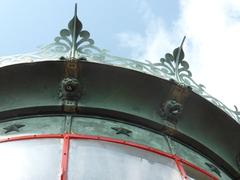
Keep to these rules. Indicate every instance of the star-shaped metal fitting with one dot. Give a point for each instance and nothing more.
(13, 127)
(120, 130)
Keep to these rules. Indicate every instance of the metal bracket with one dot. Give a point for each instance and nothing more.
(171, 111)
(68, 124)
(70, 93)
(170, 144)
(70, 89)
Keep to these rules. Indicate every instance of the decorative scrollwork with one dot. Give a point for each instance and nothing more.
(178, 70)
(74, 42)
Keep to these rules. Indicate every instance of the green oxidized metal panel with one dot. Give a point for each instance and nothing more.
(198, 159)
(119, 130)
(34, 125)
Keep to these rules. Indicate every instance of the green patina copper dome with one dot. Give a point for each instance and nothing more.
(71, 92)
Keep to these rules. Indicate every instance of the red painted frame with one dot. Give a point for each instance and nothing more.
(66, 143)
(65, 155)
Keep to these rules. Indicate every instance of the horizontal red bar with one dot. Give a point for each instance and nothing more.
(26, 137)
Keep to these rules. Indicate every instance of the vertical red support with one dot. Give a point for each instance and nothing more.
(65, 154)
(180, 168)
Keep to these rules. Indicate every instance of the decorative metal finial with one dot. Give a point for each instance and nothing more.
(180, 49)
(178, 55)
(74, 35)
(75, 43)
(72, 41)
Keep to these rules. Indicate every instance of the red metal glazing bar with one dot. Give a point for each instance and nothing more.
(65, 151)
(26, 137)
(65, 155)
(198, 169)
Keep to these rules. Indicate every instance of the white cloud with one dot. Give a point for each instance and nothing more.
(155, 42)
(213, 27)
(212, 48)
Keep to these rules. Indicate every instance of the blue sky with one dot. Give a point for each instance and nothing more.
(27, 24)
(139, 29)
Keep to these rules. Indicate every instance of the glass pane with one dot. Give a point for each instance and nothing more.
(30, 159)
(194, 174)
(95, 160)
